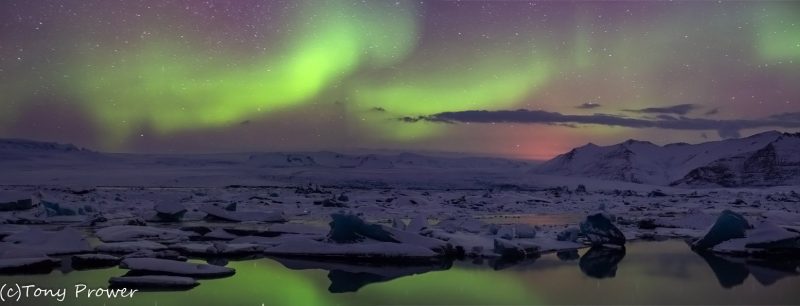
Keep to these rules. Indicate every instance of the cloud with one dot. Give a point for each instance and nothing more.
(680, 109)
(787, 116)
(588, 105)
(725, 128)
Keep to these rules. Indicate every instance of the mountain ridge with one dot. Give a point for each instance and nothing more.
(741, 162)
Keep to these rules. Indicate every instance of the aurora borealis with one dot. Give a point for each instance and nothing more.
(209, 76)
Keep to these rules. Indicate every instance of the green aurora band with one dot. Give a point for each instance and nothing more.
(168, 88)
(382, 61)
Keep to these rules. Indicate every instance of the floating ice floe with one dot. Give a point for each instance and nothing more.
(568, 234)
(66, 241)
(242, 216)
(27, 265)
(765, 238)
(219, 234)
(418, 223)
(729, 225)
(465, 224)
(600, 231)
(172, 267)
(126, 247)
(133, 233)
(90, 261)
(514, 231)
(169, 211)
(14, 201)
(153, 282)
(510, 250)
(160, 254)
(218, 248)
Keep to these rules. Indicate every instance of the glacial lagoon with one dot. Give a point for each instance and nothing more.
(646, 272)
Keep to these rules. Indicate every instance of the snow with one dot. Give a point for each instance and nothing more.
(172, 267)
(767, 235)
(418, 223)
(153, 282)
(644, 162)
(764, 237)
(454, 206)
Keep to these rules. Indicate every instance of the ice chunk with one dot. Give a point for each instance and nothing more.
(219, 234)
(348, 228)
(599, 230)
(466, 243)
(466, 224)
(173, 267)
(219, 248)
(694, 219)
(65, 241)
(513, 231)
(27, 265)
(568, 234)
(297, 228)
(770, 236)
(729, 225)
(398, 224)
(242, 216)
(511, 251)
(153, 282)
(169, 211)
(11, 201)
(162, 254)
(129, 246)
(132, 233)
(88, 261)
(417, 224)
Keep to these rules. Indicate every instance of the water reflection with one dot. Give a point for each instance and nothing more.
(568, 255)
(601, 262)
(732, 271)
(350, 277)
(664, 272)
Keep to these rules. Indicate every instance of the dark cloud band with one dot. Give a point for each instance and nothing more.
(725, 128)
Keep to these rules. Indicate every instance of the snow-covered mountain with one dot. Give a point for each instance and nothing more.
(327, 159)
(26, 162)
(765, 159)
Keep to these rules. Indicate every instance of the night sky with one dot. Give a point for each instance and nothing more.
(508, 78)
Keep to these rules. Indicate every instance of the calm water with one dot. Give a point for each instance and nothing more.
(664, 272)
